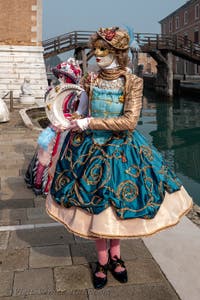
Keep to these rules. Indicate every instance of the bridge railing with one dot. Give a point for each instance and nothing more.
(67, 41)
(149, 42)
(174, 43)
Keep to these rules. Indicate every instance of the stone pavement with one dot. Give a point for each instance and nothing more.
(39, 259)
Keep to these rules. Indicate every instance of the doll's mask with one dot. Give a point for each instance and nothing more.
(104, 57)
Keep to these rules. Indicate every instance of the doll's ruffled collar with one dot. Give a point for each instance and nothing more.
(112, 74)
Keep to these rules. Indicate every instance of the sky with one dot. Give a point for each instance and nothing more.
(63, 16)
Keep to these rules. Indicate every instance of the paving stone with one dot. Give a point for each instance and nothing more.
(73, 295)
(72, 278)
(26, 147)
(14, 260)
(4, 236)
(79, 239)
(22, 171)
(83, 253)
(16, 203)
(6, 281)
(12, 154)
(7, 164)
(132, 249)
(37, 213)
(33, 281)
(137, 292)
(143, 270)
(39, 201)
(40, 237)
(70, 295)
(15, 188)
(50, 256)
(12, 216)
(46, 220)
(7, 222)
(10, 172)
(140, 271)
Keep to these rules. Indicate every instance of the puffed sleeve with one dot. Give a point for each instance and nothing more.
(132, 108)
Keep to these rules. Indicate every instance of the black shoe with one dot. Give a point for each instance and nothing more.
(113, 264)
(99, 282)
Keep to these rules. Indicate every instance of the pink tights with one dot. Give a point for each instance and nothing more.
(102, 251)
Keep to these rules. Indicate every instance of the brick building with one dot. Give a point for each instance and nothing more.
(21, 52)
(148, 63)
(185, 22)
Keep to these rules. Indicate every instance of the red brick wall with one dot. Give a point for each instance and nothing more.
(148, 63)
(188, 28)
(184, 29)
(16, 21)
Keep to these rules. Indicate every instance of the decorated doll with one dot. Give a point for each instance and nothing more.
(39, 173)
(110, 184)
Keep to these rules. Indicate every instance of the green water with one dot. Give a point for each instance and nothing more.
(174, 129)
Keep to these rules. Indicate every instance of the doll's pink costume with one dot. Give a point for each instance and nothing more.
(40, 170)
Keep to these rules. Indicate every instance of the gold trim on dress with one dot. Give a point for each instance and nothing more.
(108, 225)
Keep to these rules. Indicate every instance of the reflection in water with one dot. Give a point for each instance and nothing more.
(174, 128)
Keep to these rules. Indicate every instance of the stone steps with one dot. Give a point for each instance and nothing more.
(18, 204)
(25, 215)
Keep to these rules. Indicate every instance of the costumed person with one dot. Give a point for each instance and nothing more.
(110, 183)
(74, 105)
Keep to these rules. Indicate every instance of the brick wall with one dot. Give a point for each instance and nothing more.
(185, 22)
(19, 22)
(149, 64)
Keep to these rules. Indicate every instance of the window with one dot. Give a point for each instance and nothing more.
(177, 22)
(164, 28)
(185, 38)
(196, 36)
(196, 11)
(185, 17)
(170, 26)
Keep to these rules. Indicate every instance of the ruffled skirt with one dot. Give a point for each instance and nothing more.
(120, 189)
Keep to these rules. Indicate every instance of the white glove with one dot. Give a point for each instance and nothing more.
(80, 124)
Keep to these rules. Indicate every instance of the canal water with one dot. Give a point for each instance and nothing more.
(173, 127)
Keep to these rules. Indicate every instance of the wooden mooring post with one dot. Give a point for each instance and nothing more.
(11, 101)
(164, 80)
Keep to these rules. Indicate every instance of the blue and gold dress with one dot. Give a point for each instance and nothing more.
(109, 181)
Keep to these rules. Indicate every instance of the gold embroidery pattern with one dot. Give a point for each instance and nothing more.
(61, 181)
(77, 139)
(127, 191)
(91, 174)
(133, 171)
(147, 152)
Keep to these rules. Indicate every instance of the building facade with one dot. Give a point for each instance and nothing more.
(184, 22)
(21, 51)
(148, 63)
